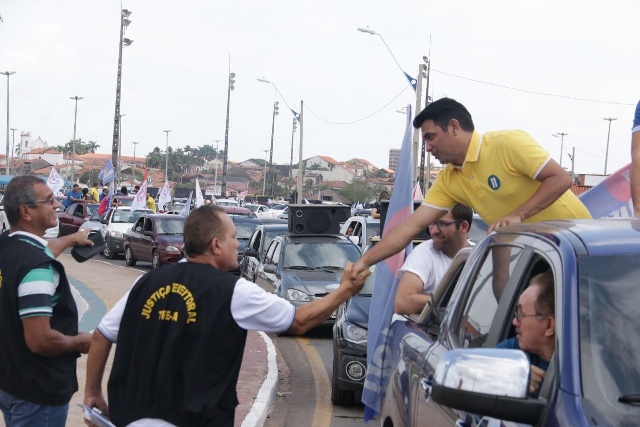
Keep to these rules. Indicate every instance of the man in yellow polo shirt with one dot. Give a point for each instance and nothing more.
(505, 176)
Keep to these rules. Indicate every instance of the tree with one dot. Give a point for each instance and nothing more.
(359, 190)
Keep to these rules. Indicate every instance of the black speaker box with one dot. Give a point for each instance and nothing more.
(317, 219)
(384, 206)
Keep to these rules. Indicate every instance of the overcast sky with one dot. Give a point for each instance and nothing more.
(175, 73)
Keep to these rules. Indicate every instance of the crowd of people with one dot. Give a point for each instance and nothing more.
(202, 312)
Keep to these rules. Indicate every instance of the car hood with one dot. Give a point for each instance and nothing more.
(120, 226)
(93, 225)
(312, 282)
(358, 310)
(170, 239)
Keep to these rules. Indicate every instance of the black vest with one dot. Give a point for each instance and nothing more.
(24, 374)
(179, 350)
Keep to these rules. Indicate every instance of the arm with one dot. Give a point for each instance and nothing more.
(635, 173)
(374, 213)
(554, 181)
(397, 239)
(409, 296)
(57, 246)
(313, 313)
(45, 341)
(96, 362)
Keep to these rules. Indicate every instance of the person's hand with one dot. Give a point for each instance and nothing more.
(97, 401)
(359, 272)
(504, 221)
(347, 279)
(84, 342)
(81, 238)
(537, 375)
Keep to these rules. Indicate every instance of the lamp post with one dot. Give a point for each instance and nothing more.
(606, 156)
(115, 148)
(230, 87)
(293, 131)
(166, 157)
(13, 143)
(264, 178)
(215, 173)
(133, 167)
(73, 143)
(561, 135)
(7, 73)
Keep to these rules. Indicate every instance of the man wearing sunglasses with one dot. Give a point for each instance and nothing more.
(535, 323)
(38, 315)
(430, 260)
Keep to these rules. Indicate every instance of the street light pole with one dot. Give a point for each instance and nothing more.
(13, 143)
(606, 157)
(115, 147)
(73, 143)
(133, 167)
(293, 132)
(264, 178)
(271, 170)
(215, 173)
(166, 157)
(7, 73)
(561, 135)
(230, 87)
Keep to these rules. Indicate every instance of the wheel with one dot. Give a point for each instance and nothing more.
(339, 396)
(155, 259)
(128, 256)
(108, 253)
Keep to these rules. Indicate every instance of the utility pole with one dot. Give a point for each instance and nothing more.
(133, 167)
(573, 158)
(300, 168)
(230, 87)
(73, 144)
(293, 132)
(264, 178)
(7, 73)
(271, 170)
(561, 135)
(606, 157)
(215, 173)
(166, 157)
(13, 143)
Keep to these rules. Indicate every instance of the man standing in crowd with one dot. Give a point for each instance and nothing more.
(94, 194)
(105, 193)
(38, 315)
(635, 162)
(430, 260)
(74, 195)
(181, 332)
(505, 176)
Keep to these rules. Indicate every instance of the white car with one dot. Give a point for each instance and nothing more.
(227, 202)
(262, 211)
(363, 229)
(112, 225)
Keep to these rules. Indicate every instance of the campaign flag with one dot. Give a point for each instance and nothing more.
(386, 282)
(612, 197)
(412, 81)
(214, 201)
(107, 173)
(295, 114)
(165, 196)
(140, 200)
(55, 181)
(112, 191)
(242, 195)
(187, 206)
(199, 198)
(417, 192)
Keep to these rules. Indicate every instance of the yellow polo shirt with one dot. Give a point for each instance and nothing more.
(497, 176)
(95, 196)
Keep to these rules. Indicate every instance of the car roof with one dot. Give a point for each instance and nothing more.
(275, 226)
(292, 238)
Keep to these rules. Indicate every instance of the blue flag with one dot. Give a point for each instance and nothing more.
(107, 173)
(295, 114)
(386, 282)
(612, 197)
(412, 81)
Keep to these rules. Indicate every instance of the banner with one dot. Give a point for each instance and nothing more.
(55, 181)
(107, 174)
(140, 200)
(165, 197)
(386, 282)
(187, 206)
(242, 195)
(199, 198)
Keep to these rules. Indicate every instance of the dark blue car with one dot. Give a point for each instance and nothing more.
(446, 370)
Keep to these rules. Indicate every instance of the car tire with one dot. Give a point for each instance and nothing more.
(128, 256)
(108, 253)
(155, 259)
(339, 396)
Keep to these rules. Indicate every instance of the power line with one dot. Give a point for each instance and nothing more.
(531, 91)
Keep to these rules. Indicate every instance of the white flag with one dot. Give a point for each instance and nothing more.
(199, 198)
(55, 181)
(187, 206)
(214, 201)
(165, 196)
(140, 201)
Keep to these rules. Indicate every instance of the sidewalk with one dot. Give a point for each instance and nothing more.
(101, 285)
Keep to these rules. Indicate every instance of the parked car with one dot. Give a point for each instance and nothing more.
(155, 238)
(262, 211)
(112, 225)
(239, 211)
(71, 219)
(299, 267)
(227, 202)
(245, 226)
(444, 365)
(364, 228)
(258, 243)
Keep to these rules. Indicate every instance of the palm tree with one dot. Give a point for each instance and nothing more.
(92, 146)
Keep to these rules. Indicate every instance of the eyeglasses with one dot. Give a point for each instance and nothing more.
(519, 315)
(442, 225)
(51, 200)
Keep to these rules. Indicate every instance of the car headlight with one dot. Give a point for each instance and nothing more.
(354, 333)
(172, 248)
(116, 234)
(296, 295)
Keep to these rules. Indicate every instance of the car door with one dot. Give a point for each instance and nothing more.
(263, 278)
(146, 244)
(250, 263)
(135, 235)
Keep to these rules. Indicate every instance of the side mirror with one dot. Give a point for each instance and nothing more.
(148, 233)
(104, 221)
(487, 381)
(354, 239)
(270, 268)
(251, 252)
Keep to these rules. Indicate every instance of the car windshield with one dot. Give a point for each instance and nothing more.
(244, 229)
(319, 255)
(170, 225)
(123, 216)
(610, 338)
(92, 208)
(254, 208)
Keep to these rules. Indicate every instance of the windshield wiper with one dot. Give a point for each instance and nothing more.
(300, 267)
(631, 399)
(332, 267)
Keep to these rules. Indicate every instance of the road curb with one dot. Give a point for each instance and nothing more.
(262, 404)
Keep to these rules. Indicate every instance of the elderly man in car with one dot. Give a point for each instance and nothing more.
(535, 325)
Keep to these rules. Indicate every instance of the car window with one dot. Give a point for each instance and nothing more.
(133, 216)
(275, 258)
(169, 226)
(254, 243)
(481, 300)
(319, 254)
(270, 235)
(269, 254)
(373, 229)
(95, 216)
(121, 216)
(138, 226)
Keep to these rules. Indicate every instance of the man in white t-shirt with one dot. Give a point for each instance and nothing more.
(429, 261)
(181, 331)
